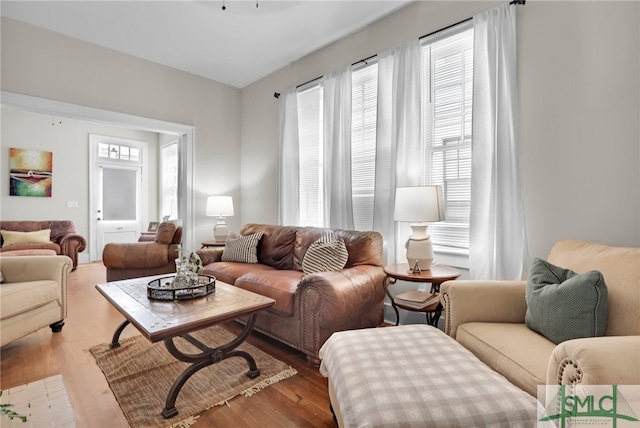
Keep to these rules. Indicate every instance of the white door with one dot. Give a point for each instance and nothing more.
(116, 182)
(117, 213)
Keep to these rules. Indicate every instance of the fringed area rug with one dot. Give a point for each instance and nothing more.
(140, 375)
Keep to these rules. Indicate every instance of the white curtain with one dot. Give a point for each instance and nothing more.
(289, 160)
(338, 204)
(498, 243)
(398, 139)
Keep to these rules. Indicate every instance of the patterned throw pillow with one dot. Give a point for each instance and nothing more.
(242, 249)
(564, 305)
(326, 254)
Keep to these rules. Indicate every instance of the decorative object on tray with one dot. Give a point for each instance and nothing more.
(167, 288)
(186, 284)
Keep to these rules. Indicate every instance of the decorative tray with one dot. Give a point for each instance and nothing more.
(167, 288)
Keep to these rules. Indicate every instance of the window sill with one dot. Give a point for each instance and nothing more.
(450, 258)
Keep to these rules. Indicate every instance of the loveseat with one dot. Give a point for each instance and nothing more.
(488, 318)
(309, 307)
(33, 294)
(62, 239)
(148, 256)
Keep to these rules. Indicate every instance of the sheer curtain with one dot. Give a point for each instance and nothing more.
(338, 204)
(397, 139)
(498, 243)
(288, 159)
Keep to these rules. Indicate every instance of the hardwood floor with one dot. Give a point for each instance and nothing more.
(300, 401)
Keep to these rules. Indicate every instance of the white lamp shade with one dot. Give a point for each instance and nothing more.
(220, 206)
(419, 204)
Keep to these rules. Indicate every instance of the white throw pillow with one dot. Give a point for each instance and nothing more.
(11, 237)
(326, 254)
(242, 249)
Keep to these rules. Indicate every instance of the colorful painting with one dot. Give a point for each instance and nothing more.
(30, 172)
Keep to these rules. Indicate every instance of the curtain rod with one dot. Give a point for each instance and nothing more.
(512, 2)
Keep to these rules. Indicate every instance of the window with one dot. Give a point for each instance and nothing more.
(118, 151)
(311, 145)
(447, 78)
(364, 105)
(169, 180)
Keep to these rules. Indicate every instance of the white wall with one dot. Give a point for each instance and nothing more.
(49, 65)
(579, 89)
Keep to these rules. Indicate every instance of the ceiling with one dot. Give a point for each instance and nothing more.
(236, 46)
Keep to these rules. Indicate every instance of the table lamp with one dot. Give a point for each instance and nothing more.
(418, 206)
(220, 207)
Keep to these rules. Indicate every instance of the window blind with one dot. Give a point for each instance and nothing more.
(363, 143)
(311, 146)
(447, 78)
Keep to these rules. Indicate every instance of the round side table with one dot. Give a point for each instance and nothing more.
(434, 276)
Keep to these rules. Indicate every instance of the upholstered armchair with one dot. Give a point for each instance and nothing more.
(33, 294)
(145, 257)
(488, 317)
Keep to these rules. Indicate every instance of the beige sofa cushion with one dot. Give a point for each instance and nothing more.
(19, 297)
(518, 353)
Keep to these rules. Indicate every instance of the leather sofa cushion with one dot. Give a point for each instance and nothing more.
(229, 271)
(140, 254)
(276, 245)
(20, 297)
(32, 246)
(59, 228)
(518, 353)
(280, 285)
(166, 231)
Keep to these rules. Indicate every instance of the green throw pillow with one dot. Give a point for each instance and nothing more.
(564, 305)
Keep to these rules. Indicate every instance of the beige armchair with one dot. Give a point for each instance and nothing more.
(33, 294)
(488, 318)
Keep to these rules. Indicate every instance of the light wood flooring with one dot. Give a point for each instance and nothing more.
(300, 401)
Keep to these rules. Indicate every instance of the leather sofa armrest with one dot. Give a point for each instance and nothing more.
(482, 301)
(607, 360)
(135, 255)
(71, 244)
(35, 268)
(210, 255)
(344, 293)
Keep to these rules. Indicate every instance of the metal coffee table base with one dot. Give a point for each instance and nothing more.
(207, 357)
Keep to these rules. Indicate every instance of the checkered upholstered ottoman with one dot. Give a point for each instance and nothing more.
(417, 376)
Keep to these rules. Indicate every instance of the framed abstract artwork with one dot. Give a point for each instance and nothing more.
(30, 172)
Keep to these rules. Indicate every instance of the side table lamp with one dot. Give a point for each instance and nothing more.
(418, 206)
(220, 207)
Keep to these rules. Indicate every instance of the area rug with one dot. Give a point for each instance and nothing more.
(44, 402)
(140, 375)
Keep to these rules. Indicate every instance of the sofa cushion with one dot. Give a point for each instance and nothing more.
(280, 285)
(243, 249)
(230, 271)
(276, 246)
(564, 305)
(513, 350)
(165, 232)
(11, 237)
(326, 254)
(21, 297)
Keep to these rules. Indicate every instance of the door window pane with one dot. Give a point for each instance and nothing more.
(119, 194)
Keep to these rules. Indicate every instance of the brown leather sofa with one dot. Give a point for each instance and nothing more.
(145, 257)
(308, 308)
(64, 239)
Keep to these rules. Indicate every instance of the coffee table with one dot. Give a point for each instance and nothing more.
(161, 320)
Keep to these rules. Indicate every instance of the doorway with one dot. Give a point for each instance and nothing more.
(117, 177)
(186, 144)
